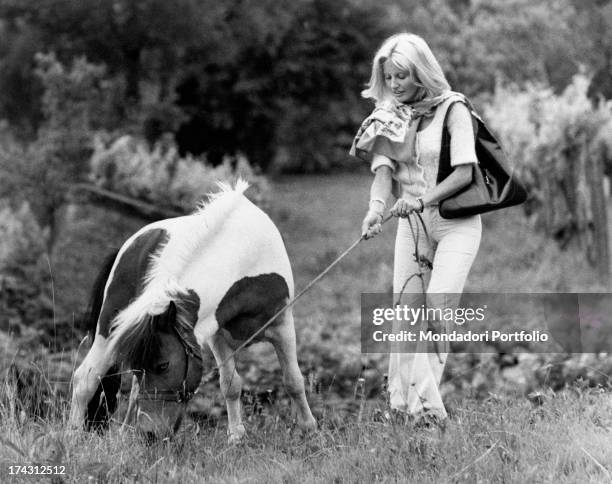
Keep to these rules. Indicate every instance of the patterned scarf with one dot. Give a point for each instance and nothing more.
(392, 127)
(421, 109)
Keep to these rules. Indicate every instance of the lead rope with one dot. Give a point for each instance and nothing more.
(418, 257)
(133, 400)
(295, 298)
(423, 264)
(421, 260)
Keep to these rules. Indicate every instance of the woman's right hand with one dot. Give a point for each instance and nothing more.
(371, 224)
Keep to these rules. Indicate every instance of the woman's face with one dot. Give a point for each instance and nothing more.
(399, 82)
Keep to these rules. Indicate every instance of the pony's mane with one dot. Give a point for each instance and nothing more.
(172, 258)
(224, 189)
(141, 345)
(161, 284)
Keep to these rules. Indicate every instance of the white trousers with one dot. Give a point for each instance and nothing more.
(414, 376)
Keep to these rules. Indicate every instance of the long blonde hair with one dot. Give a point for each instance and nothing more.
(410, 53)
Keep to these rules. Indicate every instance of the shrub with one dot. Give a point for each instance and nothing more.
(561, 148)
(25, 281)
(160, 176)
(541, 131)
(44, 171)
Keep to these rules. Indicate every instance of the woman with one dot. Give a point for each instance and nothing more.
(401, 139)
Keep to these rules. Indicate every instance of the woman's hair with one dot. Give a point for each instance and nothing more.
(411, 54)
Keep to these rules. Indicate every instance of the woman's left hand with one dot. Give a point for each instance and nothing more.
(405, 206)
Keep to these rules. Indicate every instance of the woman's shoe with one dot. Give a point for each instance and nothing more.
(429, 420)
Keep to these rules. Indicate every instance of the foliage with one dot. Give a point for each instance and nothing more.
(318, 217)
(138, 39)
(594, 22)
(527, 41)
(288, 91)
(42, 172)
(552, 139)
(282, 85)
(20, 89)
(551, 437)
(160, 176)
(321, 69)
(25, 283)
(481, 42)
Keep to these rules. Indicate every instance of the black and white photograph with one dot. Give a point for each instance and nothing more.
(317, 241)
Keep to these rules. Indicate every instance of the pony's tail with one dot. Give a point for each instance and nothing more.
(90, 321)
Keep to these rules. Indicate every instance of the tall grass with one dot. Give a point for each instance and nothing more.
(503, 437)
(567, 439)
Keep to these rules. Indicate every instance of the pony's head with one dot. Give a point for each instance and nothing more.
(165, 357)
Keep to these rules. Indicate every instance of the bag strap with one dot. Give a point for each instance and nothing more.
(489, 152)
(444, 165)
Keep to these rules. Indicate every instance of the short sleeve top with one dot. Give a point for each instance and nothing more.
(412, 155)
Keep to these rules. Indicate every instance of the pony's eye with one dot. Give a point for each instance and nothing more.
(161, 367)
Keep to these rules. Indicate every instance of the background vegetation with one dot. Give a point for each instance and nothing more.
(282, 84)
(498, 430)
(116, 113)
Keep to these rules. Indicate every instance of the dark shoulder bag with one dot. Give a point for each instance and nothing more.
(493, 184)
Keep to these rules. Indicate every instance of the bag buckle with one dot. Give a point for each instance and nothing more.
(486, 178)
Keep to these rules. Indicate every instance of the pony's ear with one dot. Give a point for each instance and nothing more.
(164, 322)
(167, 319)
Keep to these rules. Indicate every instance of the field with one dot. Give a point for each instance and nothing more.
(495, 434)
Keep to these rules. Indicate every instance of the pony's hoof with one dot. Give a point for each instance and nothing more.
(236, 435)
(309, 425)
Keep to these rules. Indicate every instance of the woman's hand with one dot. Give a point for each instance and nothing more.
(371, 224)
(405, 206)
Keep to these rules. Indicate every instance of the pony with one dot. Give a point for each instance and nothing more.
(214, 277)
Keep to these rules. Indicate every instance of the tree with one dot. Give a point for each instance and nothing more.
(43, 171)
(141, 40)
(20, 91)
(283, 84)
(479, 42)
(560, 144)
(594, 22)
(288, 85)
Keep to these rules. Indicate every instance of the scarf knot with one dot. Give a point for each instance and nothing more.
(391, 128)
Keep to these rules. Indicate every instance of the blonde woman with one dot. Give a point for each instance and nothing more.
(401, 139)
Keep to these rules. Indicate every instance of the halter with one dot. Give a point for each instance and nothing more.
(177, 396)
(181, 396)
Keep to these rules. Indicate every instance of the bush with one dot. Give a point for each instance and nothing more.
(554, 140)
(316, 139)
(160, 176)
(44, 171)
(25, 281)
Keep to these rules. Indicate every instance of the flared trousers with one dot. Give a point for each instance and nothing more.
(415, 373)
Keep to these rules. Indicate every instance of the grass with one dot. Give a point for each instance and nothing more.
(501, 437)
(566, 440)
